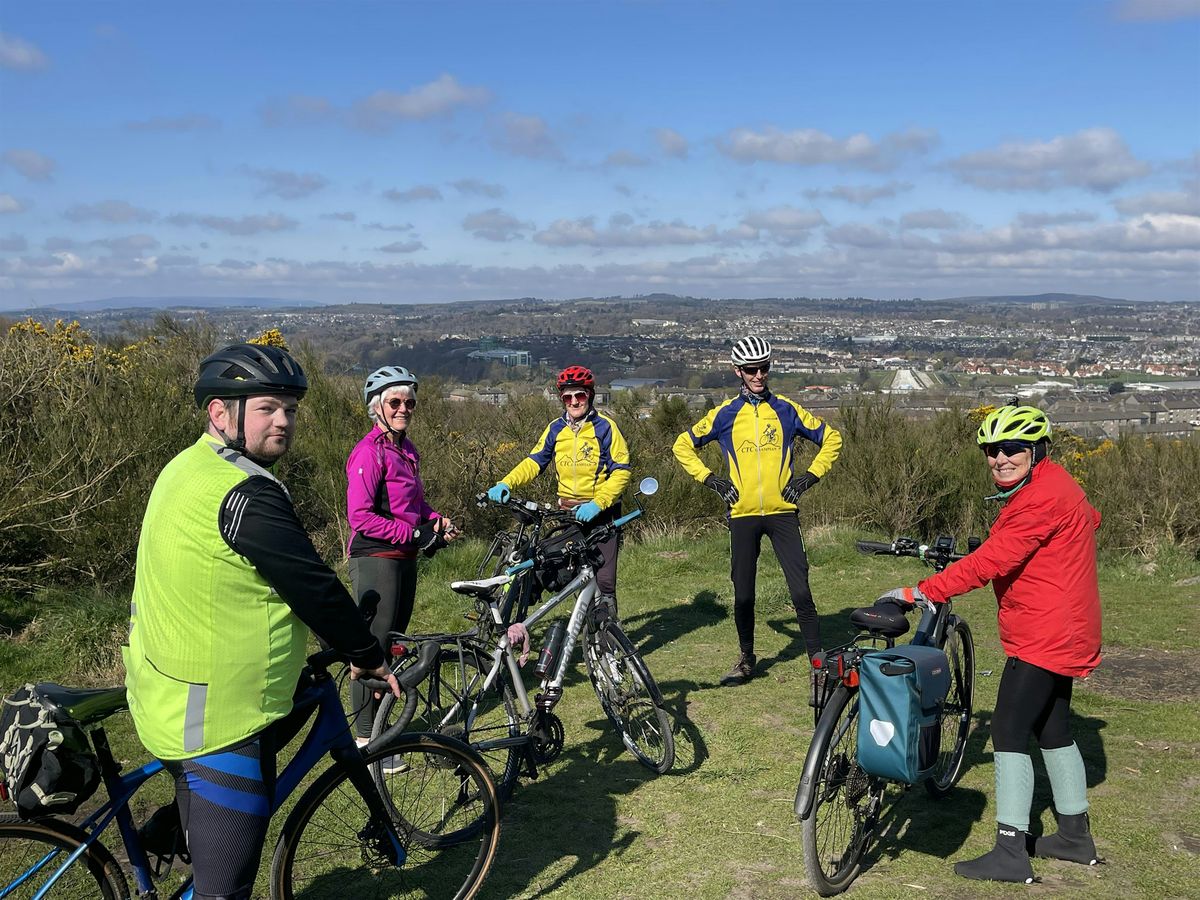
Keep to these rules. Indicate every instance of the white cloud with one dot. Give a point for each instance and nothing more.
(784, 224)
(474, 187)
(10, 204)
(286, 185)
(177, 124)
(31, 164)
(1095, 158)
(527, 136)
(583, 232)
(132, 245)
(933, 219)
(116, 211)
(1158, 10)
(1067, 217)
(496, 225)
(346, 216)
(419, 192)
(441, 97)
(1186, 201)
(860, 195)
(672, 143)
(809, 147)
(21, 55)
(402, 247)
(379, 226)
(246, 225)
(14, 243)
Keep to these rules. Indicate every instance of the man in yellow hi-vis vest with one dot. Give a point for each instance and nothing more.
(226, 589)
(756, 430)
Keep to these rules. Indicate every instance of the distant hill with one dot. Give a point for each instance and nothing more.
(1035, 298)
(182, 303)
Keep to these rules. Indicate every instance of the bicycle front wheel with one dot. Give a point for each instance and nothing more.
(451, 701)
(31, 852)
(846, 800)
(627, 693)
(955, 722)
(444, 811)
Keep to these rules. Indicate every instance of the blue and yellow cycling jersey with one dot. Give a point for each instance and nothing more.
(757, 441)
(592, 463)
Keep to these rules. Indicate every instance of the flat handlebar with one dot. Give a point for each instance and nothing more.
(939, 555)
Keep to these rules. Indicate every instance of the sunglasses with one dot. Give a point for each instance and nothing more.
(406, 402)
(1008, 448)
(754, 370)
(575, 397)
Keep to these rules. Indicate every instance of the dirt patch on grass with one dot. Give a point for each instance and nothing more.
(672, 554)
(1142, 674)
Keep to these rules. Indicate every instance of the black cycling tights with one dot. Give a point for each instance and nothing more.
(1031, 701)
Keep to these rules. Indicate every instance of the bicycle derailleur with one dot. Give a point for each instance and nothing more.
(548, 732)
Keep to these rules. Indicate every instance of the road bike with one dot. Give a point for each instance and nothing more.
(837, 802)
(477, 693)
(412, 815)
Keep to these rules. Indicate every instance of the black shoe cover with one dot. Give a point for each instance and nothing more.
(1072, 842)
(1007, 861)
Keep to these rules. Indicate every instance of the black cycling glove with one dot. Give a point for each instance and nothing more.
(798, 485)
(723, 489)
(428, 539)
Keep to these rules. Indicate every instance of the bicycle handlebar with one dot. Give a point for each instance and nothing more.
(939, 555)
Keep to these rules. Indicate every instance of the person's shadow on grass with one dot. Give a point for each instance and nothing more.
(658, 627)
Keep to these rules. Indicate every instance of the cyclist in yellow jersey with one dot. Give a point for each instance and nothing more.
(591, 460)
(756, 430)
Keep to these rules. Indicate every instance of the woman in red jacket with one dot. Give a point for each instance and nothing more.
(1041, 560)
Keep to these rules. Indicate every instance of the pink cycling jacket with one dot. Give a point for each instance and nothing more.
(385, 499)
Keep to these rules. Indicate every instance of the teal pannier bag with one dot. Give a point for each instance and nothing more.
(900, 697)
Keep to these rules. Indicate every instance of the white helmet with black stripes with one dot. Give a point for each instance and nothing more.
(751, 350)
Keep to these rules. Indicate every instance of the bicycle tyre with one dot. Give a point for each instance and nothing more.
(445, 810)
(955, 720)
(25, 845)
(846, 801)
(627, 694)
(455, 683)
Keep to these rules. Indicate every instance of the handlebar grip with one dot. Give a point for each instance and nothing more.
(874, 547)
(617, 523)
(519, 567)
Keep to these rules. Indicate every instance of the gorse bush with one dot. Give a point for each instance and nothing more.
(85, 429)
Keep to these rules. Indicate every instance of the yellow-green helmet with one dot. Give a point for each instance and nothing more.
(1013, 423)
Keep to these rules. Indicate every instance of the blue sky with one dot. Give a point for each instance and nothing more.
(408, 152)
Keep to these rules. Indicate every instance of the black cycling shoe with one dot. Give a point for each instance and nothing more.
(1007, 861)
(742, 671)
(1072, 842)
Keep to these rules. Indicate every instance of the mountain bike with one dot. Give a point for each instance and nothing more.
(477, 693)
(412, 815)
(837, 802)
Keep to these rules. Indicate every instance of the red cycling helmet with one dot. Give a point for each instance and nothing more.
(576, 376)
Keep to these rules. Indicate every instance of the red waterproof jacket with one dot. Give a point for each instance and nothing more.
(1041, 560)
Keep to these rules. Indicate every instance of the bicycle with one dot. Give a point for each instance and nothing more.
(476, 691)
(365, 827)
(837, 803)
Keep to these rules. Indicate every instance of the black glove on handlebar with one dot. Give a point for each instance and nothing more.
(798, 485)
(723, 489)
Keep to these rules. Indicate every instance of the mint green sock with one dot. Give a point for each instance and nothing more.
(1068, 780)
(1014, 789)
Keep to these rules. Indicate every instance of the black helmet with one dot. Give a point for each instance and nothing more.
(248, 370)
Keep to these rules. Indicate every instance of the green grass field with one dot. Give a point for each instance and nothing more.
(598, 825)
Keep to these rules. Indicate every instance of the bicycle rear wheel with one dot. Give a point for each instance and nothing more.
(445, 812)
(627, 694)
(846, 800)
(955, 721)
(31, 852)
(451, 701)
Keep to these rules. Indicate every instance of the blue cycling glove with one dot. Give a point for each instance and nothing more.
(587, 512)
(499, 493)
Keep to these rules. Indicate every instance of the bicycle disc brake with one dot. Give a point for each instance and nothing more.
(548, 738)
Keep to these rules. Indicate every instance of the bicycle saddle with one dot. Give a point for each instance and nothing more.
(886, 620)
(85, 705)
(480, 588)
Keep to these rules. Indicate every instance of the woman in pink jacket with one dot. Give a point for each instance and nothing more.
(1040, 558)
(390, 520)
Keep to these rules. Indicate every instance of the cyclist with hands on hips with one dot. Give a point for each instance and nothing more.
(1040, 557)
(390, 519)
(756, 431)
(226, 588)
(591, 462)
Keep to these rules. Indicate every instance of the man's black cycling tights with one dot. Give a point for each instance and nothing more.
(745, 540)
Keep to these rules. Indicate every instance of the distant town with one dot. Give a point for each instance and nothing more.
(1101, 367)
